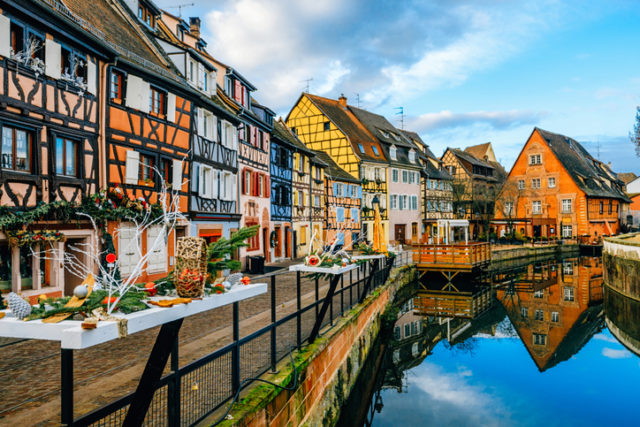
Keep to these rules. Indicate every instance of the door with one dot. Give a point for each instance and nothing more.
(287, 242)
(74, 248)
(400, 232)
(277, 249)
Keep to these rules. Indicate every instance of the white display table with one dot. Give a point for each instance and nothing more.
(72, 336)
(323, 270)
(367, 257)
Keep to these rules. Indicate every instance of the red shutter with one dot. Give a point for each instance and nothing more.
(244, 181)
(256, 181)
(267, 190)
(238, 92)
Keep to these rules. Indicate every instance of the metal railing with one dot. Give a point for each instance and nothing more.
(220, 374)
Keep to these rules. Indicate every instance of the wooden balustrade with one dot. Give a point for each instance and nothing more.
(456, 256)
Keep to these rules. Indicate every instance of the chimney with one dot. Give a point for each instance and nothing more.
(194, 23)
(609, 164)
(343, 100)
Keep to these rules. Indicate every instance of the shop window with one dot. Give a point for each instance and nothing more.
(67, 157)
(17, 149)
(5, 266)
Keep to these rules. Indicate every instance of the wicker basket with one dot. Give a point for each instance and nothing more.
(191, 266)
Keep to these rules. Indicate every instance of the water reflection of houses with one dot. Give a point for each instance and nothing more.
(555, 311)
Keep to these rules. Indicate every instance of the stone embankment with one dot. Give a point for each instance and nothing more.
(326, 370)
(621, 261)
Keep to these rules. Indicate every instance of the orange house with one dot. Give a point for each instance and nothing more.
(557, 189)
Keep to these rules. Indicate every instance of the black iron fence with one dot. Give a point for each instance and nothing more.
(188, 394)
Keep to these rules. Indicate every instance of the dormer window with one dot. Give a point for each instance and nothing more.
(412, 156)
(361, 147)
(393, 153)
(145, 15)
(375, 150)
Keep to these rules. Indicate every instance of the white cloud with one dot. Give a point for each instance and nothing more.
(616, 354)
(606, 338)
(493, 119)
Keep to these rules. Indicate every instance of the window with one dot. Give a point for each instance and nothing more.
(17, 149)
(192, 71)
(339, 190)
(246, 182)
(568, 293)
(567, 231)
(521, 184)
(566, 205)
(166, 170)
(22, 38)
(260, 185)
(403, 202)
(146, 168)
(412, 156)
(157, 101)
(394, 175)
(567, 268)
(452, 170)
(610, 206)
(405, 176)
(414, 202)
(301, 198)
(552, 183)
(361, 148)
(145, 15)
(601, 206)
(377, 173)
(16, 35)
(539, 315)
(537, 207)
(535, 159)
(393, 153)
(555, 317)
(375, 150)
(539, 339)
(326, 126)
(508, 208)
(66, 157)
(535, 183)
(316, 200)
(538, 294)
(117, 78)
(393, 201)
(524, 312)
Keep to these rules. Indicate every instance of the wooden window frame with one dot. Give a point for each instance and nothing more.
(141, 173)
(65, 140)
(117, 95)
(157, 98)
(30, 142)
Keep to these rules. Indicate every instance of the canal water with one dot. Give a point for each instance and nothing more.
(544, 344)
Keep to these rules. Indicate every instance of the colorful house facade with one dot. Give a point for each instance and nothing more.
(557, 189)
(281, 192)
(213, 201)
(331, 126)
(51, 97)
(343, 195)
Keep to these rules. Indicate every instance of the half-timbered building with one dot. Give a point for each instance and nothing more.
(343, 194)
(213, 204)
(403, 177)
(148, 123)
(437, 197)
(254, 137)
(281, 172)
(330, 126)
(557, 189)
(50, 95)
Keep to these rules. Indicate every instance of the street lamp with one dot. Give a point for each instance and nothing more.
(375, 201)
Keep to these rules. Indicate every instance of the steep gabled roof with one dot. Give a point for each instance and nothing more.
(380, 127)
(464, 157)
(435, 173)
(627, 177)
(420, 144)
(349, 124)
(333, 171)
(481, 150)
(589, 174)
(282, 132)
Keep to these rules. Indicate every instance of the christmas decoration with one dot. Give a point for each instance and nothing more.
(80, 291)
(31, 238)
(19, 307)
(245, 280)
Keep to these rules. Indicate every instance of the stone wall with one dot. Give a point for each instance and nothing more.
(621, 261)
(327, 369)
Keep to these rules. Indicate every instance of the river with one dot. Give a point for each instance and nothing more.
(525, 346)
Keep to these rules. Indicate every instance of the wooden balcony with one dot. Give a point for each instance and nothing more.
(465, 305)
(455, 257)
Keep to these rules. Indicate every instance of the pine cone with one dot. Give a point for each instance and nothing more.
(19, 307)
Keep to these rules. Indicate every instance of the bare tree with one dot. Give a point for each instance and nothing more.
(507, 203)
(635, 135)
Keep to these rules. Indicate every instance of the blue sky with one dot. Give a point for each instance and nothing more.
(466, 72)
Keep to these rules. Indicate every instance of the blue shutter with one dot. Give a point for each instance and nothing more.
(340, 238)
(355, 215)
(359, 192)
(340, 214)
(335, 189)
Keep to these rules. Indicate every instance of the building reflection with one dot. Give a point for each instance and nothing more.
(555, 307)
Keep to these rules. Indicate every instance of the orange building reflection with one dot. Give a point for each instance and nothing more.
(555, 307)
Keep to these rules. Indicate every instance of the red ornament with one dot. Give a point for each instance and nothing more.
(108, 300)
(150, 288)
(111, 258)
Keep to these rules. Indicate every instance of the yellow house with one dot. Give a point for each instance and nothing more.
(330, 126)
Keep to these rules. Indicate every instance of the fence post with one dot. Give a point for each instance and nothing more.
(330, 307)
(173, 388)
(317, 295)
(235, 354)
(351, 288)
(342, 294)
(299, 314)
(273, 325)
(66, 381)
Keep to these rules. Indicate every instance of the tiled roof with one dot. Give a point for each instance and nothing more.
(282, 132)
(413, 136)
(380, 127)
(433, 172)
(333, 171)
(589, 174)
(478, 151)
(348, 123)
(627, 177)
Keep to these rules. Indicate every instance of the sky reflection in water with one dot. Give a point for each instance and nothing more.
(493, 378)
